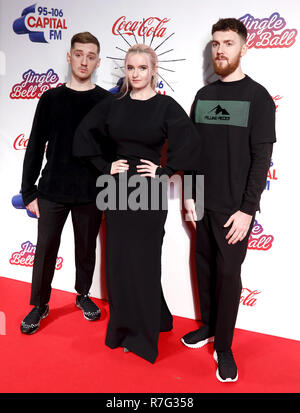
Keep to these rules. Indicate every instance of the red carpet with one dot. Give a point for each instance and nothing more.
(68, 355)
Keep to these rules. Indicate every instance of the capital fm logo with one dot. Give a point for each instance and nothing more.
(34, 84)
(41, 24)
(268, 32)
(151, 31)
(25, 257)
(258, 240)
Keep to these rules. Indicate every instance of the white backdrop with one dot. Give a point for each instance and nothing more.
(269, 301)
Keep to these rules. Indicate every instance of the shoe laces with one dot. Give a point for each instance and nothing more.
(87, 302)
(34, 315)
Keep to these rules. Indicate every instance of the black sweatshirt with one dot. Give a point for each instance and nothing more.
(64, 179)
(236, 123)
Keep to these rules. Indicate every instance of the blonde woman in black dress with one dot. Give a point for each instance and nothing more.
(137, 122)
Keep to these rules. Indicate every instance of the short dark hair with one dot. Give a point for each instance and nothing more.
(230, 24)
(85, 37)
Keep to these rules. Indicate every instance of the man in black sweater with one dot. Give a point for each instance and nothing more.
(65, 185)
(235, 118)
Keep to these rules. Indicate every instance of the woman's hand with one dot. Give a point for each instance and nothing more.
(148, 169)
(119, 167)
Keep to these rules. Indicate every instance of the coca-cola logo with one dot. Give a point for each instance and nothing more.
(152, 30)
(20, 143)
(33, 84)
(268, 32)
(259, 241)
(25, 257)
(249, 297)
(151, 26)
(276, 99)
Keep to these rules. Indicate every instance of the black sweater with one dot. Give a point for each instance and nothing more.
(63, 179)
(138, 129)
(236, 123)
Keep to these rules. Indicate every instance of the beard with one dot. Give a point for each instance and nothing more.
(227, 69)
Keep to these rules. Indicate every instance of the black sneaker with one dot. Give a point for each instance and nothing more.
(31, 322)
(198, 338)
(90, 311)
(227, 369)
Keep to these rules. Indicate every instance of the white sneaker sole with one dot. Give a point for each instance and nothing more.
(94, 319)
(38, 325)
(229, 380)
(199, 344)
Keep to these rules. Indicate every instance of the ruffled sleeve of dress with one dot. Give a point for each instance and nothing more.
(92, 143)
(184, 145)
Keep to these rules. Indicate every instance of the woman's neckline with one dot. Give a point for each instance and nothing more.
(141, 100)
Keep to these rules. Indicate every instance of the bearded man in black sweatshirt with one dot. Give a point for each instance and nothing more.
(235, 118)
(65, 185)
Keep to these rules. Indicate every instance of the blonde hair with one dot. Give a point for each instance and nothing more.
(141, 48)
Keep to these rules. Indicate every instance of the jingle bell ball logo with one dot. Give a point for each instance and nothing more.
(258, 240)
(25, 257)
(34, 84)
(268, 32)
(42, 24)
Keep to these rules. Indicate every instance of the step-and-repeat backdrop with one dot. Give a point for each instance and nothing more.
(34, 40)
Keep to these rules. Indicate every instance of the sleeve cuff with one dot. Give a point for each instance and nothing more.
(29, 197)
(101, 165)
(107, 168)
(164, 171)
(249, 207)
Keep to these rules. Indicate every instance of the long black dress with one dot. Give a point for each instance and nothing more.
(138, 129)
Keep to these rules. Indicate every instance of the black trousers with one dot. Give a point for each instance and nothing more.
(218, 266)
(86, 219)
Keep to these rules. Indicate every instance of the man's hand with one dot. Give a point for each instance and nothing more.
(240, 226)
(190, 215)
(34, 207)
